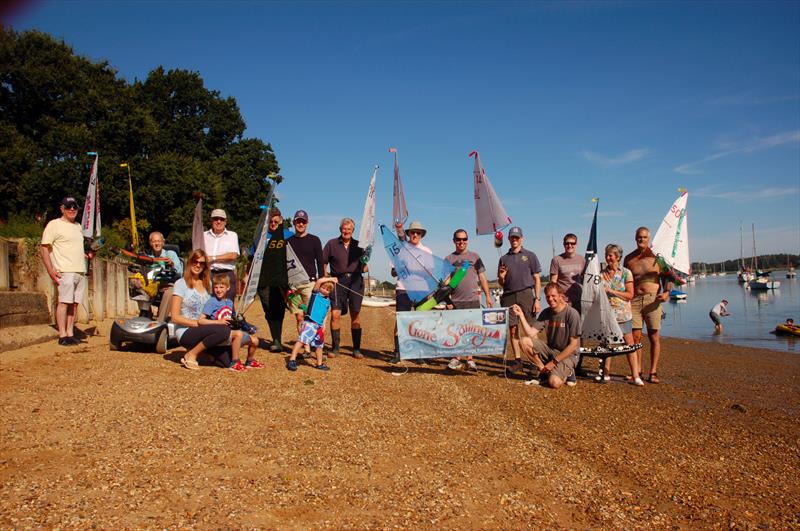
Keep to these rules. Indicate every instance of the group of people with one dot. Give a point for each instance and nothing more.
(201, 304)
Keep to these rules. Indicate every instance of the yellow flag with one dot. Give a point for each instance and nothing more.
(134, 232)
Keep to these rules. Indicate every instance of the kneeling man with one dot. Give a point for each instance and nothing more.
(556, 358)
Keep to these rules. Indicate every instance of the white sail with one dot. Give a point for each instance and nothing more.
(251, 284)
(366, 233)
(598, 318)
(671, 242)
(490, 216)
(295, 271)
(90, 222)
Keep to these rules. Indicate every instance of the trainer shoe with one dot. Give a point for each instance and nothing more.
(291, 365)
(471, 366)
(454, 364)
(571, 380)
(358, 355)
(254, 364)
(322, 367)
(237, 366)
(636, 381)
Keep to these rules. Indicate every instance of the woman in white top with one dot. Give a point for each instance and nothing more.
(188, 298)
(618, 283)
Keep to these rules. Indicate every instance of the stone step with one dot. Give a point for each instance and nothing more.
(23, 308)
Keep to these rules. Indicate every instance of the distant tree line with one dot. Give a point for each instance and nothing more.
(178, 137)
(767, 261)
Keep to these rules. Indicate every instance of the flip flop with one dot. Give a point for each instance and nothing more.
(189, 364)
(653, 378)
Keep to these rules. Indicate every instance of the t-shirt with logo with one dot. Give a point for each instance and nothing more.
(559, 327)
(521, 267)
(318, 306)
(218, 309)
(468, 289)
(569, 271)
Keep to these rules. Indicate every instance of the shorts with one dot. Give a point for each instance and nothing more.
(311, 334)
(344, 299)
(524, 298)
(71, 287)
(715, 318)
(563, 369)
(626, 327)
(402, 301)
(304, 291)
(646, 310)
(466, 305)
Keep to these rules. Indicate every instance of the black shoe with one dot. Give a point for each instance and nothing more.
(395, 359)
(421, 361)
(515, 367)
(276, 347)
(67, 341)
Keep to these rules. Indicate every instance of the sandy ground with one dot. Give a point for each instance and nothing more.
(130, 439)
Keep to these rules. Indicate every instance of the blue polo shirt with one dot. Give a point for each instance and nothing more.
(521, 268)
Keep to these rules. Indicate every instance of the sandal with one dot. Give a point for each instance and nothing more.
(653, 378)
(189, 364)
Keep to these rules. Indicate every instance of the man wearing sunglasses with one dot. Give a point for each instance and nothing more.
(63, 256)
(222, 249)
(566, 270)
(467, 294)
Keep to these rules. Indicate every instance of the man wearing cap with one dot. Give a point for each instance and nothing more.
(222, 248)
(308, 249)
(518, 274)
(63, 255)
(342, 258)
(403, 303)
(467, 294)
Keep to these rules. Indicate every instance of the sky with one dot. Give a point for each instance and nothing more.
(565, 101)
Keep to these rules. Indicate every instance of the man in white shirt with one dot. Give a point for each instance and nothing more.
(62, 251)
(222, 249)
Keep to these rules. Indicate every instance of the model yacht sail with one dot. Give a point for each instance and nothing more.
(671, 242)
(90, 221)
(490, 216)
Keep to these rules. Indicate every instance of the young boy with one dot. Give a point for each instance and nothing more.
(313, 327)
(217, 309)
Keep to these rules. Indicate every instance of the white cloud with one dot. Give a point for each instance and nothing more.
(745, 194)
(758, 144)
(626, 158)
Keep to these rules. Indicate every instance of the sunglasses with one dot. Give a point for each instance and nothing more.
(300, 222)
(412, 232)
(71, 207)
(199, 262)
(513, 237)
(217, 219)
(570, 243)
(460, 239)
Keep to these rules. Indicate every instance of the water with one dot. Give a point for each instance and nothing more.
(755, 313)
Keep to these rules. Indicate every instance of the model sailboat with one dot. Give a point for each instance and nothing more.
(598, 320)
(490, 216)
(671, 242)
(366, 232)
(198, 240)
(90, 221)
(251, 284)
(399, 210)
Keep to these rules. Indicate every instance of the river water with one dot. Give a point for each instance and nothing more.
(755, 313)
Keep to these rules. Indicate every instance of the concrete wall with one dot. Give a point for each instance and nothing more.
(107, 293)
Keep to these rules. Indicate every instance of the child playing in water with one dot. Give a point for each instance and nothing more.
(312, 329)
(217, 309)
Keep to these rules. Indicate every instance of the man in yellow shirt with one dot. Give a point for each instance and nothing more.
(64, 258)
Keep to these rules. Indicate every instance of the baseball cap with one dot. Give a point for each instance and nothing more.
(301, 214)
(515, 231)
(69, 201)
(218, 213)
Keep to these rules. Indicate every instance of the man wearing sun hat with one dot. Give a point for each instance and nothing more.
(64, 258)
(518, 274)
(222, 249)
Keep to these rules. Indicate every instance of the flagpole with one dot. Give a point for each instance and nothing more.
(134, 231)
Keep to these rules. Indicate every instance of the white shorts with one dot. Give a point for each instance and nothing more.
(71, 287)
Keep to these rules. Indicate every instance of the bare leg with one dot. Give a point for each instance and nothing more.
(191, 354)
(72, 309)
(633, 361)
(61, 319)
(236, 344)
(515, 346)
(655, 350)
(252, 347)
(295, 350)
(319, 356)
(637, 338)
(299, 317)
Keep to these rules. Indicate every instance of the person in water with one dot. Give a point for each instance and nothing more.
(647, 299)
(719, 310)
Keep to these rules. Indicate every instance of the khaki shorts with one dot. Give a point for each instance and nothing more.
(71, 287)
(646, 310)
(563, 369)
(523, 298)
(304, 290)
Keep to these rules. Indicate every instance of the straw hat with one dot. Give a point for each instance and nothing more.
(416, 225)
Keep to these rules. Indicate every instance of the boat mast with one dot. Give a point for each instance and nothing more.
(755, 257)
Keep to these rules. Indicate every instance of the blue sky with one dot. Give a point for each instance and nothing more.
(565, 101)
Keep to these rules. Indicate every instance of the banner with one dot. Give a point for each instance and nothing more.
(450, 333)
